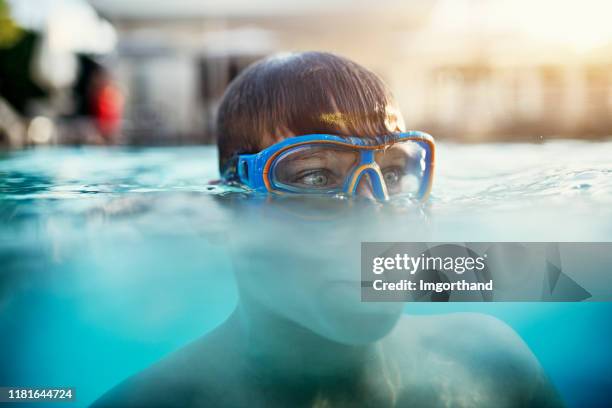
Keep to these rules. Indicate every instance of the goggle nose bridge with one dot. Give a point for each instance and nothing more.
(368, 166)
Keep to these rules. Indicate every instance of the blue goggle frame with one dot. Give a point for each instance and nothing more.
(254, 170)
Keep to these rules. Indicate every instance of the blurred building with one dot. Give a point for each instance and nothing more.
(176, 62)
(466, 70)
(490, 70)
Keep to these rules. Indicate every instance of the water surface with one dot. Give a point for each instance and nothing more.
(112, 257)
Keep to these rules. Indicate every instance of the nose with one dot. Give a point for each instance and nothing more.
(364, 188)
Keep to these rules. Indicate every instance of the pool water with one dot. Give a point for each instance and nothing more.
(111, 258)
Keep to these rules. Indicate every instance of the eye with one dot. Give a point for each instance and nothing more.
(392, 176)
(317, 178)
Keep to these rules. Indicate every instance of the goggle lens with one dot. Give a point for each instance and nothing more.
(403, 167)
(326, 168)
(314, 168)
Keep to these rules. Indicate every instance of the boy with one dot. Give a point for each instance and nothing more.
(318, 124)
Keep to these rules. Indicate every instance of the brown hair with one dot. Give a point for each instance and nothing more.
(302, 93)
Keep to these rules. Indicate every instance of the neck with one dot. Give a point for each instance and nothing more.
(278, 347)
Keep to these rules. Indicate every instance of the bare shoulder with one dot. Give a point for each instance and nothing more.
(187, 377)
(473, 350)
(151, 387)
(473, 333)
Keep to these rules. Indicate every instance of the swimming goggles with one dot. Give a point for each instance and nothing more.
(393, 165)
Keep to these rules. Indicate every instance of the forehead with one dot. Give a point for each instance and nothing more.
(353, 125)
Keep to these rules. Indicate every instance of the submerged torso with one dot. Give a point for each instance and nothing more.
(432, 361)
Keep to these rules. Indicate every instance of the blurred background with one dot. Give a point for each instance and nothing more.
(111, 258)
(152, 72)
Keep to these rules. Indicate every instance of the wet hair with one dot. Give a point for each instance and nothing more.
(298, 94)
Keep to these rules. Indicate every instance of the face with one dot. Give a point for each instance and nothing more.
(304, 263)
(308, 271)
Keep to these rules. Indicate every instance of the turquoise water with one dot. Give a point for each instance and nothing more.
(111, 258)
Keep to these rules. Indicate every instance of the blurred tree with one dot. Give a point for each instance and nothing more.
(10, 32)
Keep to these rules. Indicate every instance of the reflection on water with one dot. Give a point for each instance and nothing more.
(111, 258)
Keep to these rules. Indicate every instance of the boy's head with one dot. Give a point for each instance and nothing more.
(298, 94)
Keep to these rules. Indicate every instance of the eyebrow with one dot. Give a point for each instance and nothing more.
(318, 154)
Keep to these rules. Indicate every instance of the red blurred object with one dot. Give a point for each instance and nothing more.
(107, 108)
